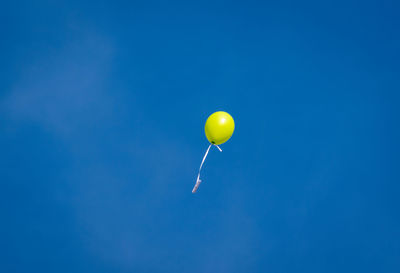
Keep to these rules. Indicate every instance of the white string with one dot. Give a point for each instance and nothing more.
(198, 181)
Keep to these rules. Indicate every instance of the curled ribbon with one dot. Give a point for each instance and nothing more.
(198, 181)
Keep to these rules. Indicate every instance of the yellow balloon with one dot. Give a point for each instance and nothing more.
(219, 127)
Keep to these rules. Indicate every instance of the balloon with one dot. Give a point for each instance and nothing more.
(219, 127)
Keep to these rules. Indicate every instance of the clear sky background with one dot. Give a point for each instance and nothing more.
(102, 112)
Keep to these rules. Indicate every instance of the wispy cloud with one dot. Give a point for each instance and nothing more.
(115, 183)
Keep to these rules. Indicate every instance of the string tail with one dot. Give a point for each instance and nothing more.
(198, 181)
(218, 147)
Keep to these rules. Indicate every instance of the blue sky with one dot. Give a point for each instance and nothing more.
(102, 112)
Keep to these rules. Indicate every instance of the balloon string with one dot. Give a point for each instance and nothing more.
(198, 181)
